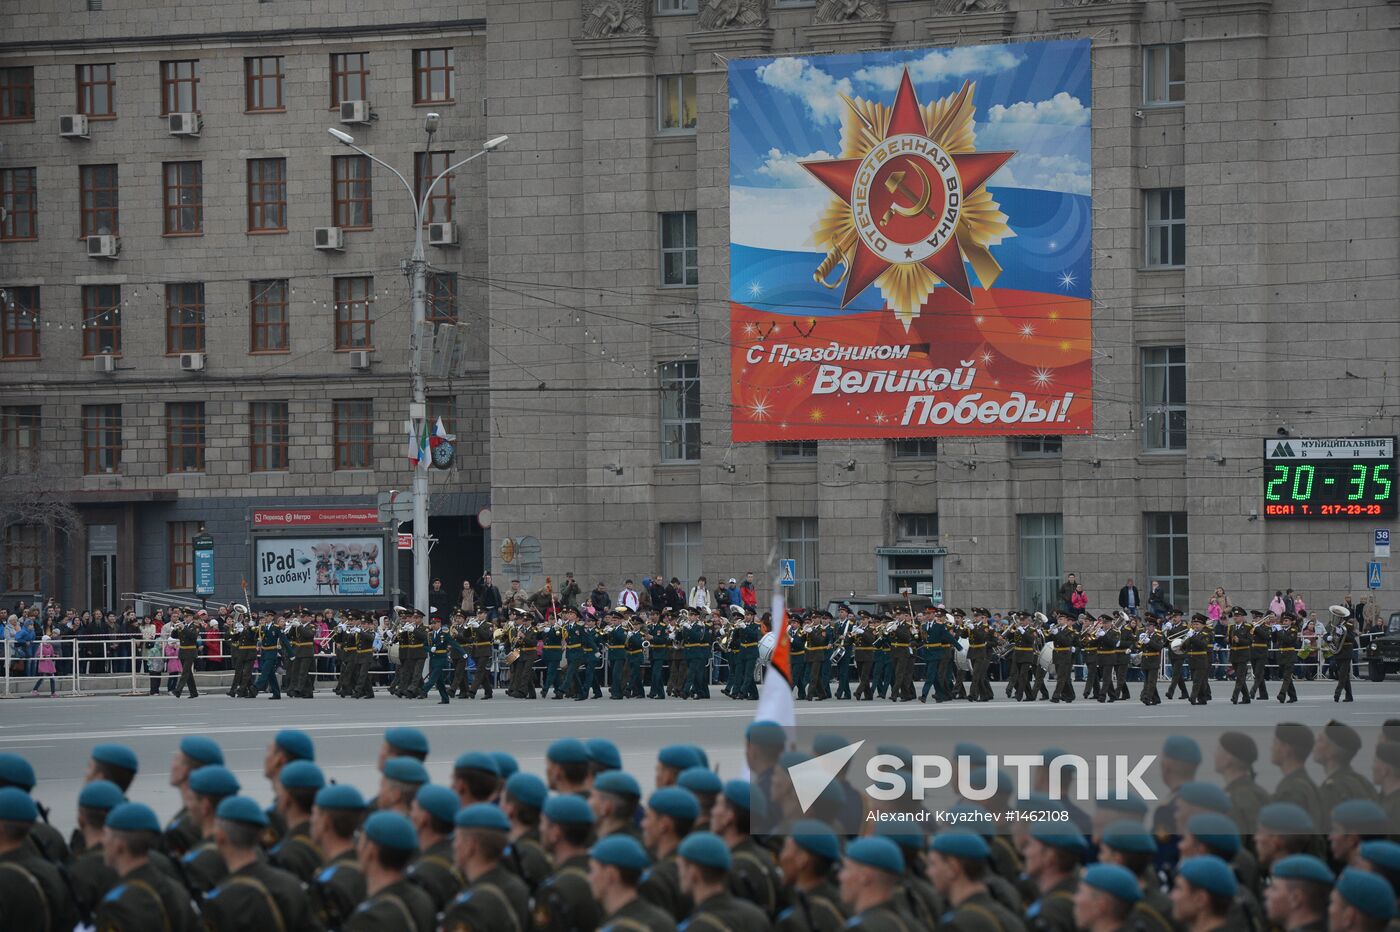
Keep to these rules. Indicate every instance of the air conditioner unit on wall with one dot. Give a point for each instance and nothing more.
(104, 363)
(73, 126)
(192, 362)
(330, 238)
(184, 124)
(355, 111)
(103, 246)
(359, 359)
(442, 234)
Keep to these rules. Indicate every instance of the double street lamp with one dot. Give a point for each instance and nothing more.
(418, 275)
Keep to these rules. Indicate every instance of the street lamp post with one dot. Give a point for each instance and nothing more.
(418, 277)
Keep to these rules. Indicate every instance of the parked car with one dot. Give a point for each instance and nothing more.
(1383, 651)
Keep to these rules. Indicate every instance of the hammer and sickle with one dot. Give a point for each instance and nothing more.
(894, 183)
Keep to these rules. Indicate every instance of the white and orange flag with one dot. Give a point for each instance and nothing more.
(775, 703)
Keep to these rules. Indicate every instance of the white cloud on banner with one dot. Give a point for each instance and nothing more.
(1061, 109)
(941, 64)
(817, 89)
(1044, 173)
(776, 218)
(782, 167)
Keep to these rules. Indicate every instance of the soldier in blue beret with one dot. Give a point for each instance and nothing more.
(1296, 898)
(1052, 854)
(1129, 845)
(1217, 834)
(476, 777)
(706, 786)
(1105, 898)
(144, 897)
(566, 766)
(1283, 829)
(505, 763)
(1361, 901)
(1355, 821)
(89, 874)
(43, 839)
(563, 901)
(670, 815)
(31, 888)
(603, 755)
(870, 876)
(755, 874)
(615, 799)
(207, 787)
(522, 801)
(809, 858)
(1383, 858)
(959, 868)
(399, 783)
(394, 902)
(253, 895)
(673, 759)
(615, 866)
(704, 862)
(286, 746)
(1178, 763)
(115, 763)
(1203, 892)
(434, 815)
(1336, 747)
(1291, 748)
(294, 795)
(339, 885)
(195, 751)
(482, 836)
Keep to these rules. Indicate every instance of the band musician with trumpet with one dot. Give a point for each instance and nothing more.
(1240, 637)
(1341, 638)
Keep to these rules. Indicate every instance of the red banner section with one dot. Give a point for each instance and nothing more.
(1018, 363)
(312, 517)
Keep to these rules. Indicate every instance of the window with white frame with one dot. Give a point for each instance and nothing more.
(675, 103)
(682, 547)
(1165, 222)
(680, 249)
(1167, 554)
(1164, 398)
(680, 411)
(1042, 557)
(798, 540)
(1164, 74)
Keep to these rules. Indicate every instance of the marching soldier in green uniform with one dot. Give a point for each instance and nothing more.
(243, 641)
(1260, 633)
(1127, 636)
(636, 656)
(553, 652)
(301, 683)
(144, 898)
(615, 866)
(563, 902)
(364, 660)
(1023, 657)
(432, 814)
(1289, 639)
(1336, 746)
(273, 646)
(902, 656)
(882, 671)
(979, 637)
(483, 646)
(1064, 641)
(1293, 744)
(746, 637)
(797, 658)
(698, 640)
(441, 647)
(1240, 637)
(1093, 663)
(1342, 636)
(410, 638)
(617, 659)
(296, 786)
(818, 645)
(187, 631)
(339, 886)
(870, 875)
(808, 858)
(1198, 656)
(460, 630)
(494, 897)
(863, 637)
(253, 895)
(1235, 763)
(1151, 642)
(678, 676)
(343, 640)
(937, 644)
(1171, 630)
(659, 635)
(704, 864)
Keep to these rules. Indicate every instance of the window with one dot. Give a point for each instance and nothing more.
(426, 167)
(19, 323)
(97, 91)
(184, 318)
(353, 326)
(350, 192)
(268, 305)
(1042, 558)
(1164, 398)
(19, 436)
(680, 411)
(24, 557)
(181, 535)
(354, 434)
(680, 249)
(432, 76)
(917, 448)
(788, 450)
(102, 439)
(445, 407)
(19, 203)
(184, 198)
(102, 320)
(675, 102)
(682, 548)
(797, 540)
(269, 434)
(1164, 74)
(1166, 228)
(97, 193)
(184, 436)
(263, 83)
(1038, 446)
(917, 525)
(675, 6)
(1167, 555)
(179, 87)
(349, 77)
(267, 195)
(16, 95)
(442, 298)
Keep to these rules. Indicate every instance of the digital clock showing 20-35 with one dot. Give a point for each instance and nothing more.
(1334, 478)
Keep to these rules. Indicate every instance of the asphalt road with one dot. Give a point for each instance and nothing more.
(56, 735)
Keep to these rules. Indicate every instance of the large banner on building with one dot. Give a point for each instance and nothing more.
(308, 567)
(910, 243)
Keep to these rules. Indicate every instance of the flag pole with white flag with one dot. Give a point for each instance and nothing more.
(775, 703)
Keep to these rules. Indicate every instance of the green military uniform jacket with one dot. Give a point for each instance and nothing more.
(754, 877)
(256, 898)
(815, 910)
(144, 900)
(724, 912)
(885, 918)
(1152, 913)
(564, 901)
(638, 916)
(980, 913)
(1299, 789)
(526, 859)
(1339, 786)
(1246, 799)
(399, 907)
(1054, 911)
(661, 886)
(90, 878)
(202, 867)
(33, 895)
(180, 834)
(497, 901)
(434, 871)
(296, 853)
(336, 890)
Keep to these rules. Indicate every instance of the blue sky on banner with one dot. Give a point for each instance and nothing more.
(1033, 98)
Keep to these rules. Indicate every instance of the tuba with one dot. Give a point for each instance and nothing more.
(1178, 645)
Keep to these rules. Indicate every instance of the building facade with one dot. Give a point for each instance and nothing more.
(1245, 194)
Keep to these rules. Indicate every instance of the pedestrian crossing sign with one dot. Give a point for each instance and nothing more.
(1373, 576)
(787, 575)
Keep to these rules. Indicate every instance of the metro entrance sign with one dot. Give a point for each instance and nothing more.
(203, 547)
